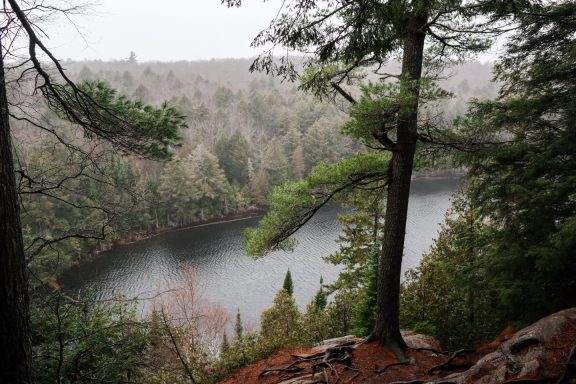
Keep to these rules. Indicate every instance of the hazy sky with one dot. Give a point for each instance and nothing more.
(167, 30)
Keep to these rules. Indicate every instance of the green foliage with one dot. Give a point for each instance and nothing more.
(288, 285)
(525, 187)
(425, 328)
(293, 204)
(76, 203)
(208, 181)
(281, 325)
(319, 140)
(361, 230)
(365, 308)
(259, 188)
(86, 341)
(193, 188)
(233, 152)
(323, 320)
(242, 352)
(320, 299)
(374, 113)
(238, 328)
(508, 255)
(129, 125)
(452, 291)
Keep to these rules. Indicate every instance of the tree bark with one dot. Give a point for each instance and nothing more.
(15, 349)
(387, 325)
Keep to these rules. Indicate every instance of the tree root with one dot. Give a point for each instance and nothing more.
(358, 373)
(291, 368)
(341, 354)
(429, 350)
(381, 371)
(448, 362)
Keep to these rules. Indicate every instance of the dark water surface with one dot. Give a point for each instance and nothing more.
(230, 278)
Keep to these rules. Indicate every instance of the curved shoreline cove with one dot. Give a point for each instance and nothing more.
(227, 276)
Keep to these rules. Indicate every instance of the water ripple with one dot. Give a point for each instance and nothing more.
(234, 280)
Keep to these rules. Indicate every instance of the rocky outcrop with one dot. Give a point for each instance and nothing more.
(542, 352)
(418, 341)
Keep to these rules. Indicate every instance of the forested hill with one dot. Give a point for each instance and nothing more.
(200, 80)
(247, 132)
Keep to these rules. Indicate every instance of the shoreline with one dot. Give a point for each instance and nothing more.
(450, 172)
(134, 238)
(251, 213)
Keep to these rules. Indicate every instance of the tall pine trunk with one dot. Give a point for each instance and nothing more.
(387, 326)
(15, 350)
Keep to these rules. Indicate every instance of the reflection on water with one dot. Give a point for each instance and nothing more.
(234, 280)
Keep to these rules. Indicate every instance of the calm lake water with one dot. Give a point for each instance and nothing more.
(230, 278)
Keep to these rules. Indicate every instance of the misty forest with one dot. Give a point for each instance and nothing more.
(384, 193)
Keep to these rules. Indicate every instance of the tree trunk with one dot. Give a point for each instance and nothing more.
(387, 326)
(15, 350)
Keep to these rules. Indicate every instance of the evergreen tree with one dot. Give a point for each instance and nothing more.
(365, 307)
(288, 284)
(507, 256)
(178, 194)
(210, 184)
(238, 328)
(320, 299)
(451, 294)
(132, 58)
(225, 344)
(97, 112)
(275, 162)
(524, 187)
(348, 36)
(259, 188)
(281, 324)
(233, 153)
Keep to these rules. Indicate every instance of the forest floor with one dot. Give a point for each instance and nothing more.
(544, 352)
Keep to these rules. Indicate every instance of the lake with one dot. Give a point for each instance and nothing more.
(235, 281)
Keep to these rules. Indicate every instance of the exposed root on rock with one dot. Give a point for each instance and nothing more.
(291, 368)
(381, 371)
(448, 362)
(429, 350)
(322, 361)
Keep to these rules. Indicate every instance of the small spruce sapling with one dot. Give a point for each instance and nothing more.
(238, 326)
(288, 284)
(320, 300)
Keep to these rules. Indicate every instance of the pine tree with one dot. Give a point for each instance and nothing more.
(97, 112)
(288, 284)
(350, 36)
